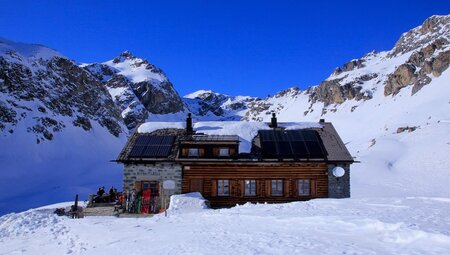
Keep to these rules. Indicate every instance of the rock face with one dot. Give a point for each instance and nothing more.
(206, 104)
(137, 87)
(432, 28)
(141, 91)
(47, 92)
(402, 77)
(417, 58)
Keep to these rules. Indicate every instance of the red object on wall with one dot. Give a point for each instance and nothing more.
(146, 198)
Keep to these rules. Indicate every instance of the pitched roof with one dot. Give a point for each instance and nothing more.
(244, 132)
(333, 143)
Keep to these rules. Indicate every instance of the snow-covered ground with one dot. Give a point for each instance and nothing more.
(414, 225)
(76, 162)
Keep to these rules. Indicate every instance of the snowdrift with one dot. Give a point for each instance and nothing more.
(186, 203)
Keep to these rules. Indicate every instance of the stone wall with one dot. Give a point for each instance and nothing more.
(153, 172)
(339, 187)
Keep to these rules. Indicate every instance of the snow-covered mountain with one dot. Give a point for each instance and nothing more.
(58, 128)
(137, 87)
(390, 107)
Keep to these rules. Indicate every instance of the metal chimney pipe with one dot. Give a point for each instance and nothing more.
(273, 121)
(189, 128)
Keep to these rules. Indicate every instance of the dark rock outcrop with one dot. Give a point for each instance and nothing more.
(402, 77)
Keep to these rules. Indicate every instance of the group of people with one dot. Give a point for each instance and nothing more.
(102, 197)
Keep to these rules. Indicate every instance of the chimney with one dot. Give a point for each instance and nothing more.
(322, 121)
(273, 121)
(189, 129)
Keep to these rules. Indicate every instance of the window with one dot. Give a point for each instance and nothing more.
(223, 188)
(304, 187)
(193, 152)
(277, 187)
(250, 187)
(224, 152)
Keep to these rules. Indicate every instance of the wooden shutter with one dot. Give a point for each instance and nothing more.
(268, 188)
(295, 187)
(313, 190)
(213, 188)
(216, 152)
(232, 151)
(242, 186)
(184, 152)
(201, 152)
(287, 188)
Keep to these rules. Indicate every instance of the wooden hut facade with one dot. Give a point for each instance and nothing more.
(283, 165)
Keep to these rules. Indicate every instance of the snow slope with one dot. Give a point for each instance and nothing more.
(413, 225)
(58, 129)
(74, 162)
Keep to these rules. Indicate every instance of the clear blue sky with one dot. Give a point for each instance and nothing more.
(234, 47)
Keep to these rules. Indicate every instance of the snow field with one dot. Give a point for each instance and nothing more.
(416, 225)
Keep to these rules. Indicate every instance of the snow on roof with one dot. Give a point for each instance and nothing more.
(245, 130)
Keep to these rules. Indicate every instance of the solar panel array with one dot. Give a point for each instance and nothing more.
(291, 144)
(152, 146)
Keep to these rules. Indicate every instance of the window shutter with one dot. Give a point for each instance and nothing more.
(201, 152)
(232, 151)
(213, 188)
(295, 187)
(242, 186)
(312, 183)
(268, 187)
(215, 152)
(184, 152)
(286, 188)
(260, 188)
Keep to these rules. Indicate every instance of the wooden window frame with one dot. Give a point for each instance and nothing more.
(301, 187)
(278, 188)
(252, 188)
(221, 191)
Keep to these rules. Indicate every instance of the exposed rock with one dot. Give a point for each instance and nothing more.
(402, 77)
(403, 129)
(332, 92)
(337, 71)
(431, 29)
(137, 98)
(440, 63)
(421, 81)
(358, 63)
(82, 122)
(59, 87)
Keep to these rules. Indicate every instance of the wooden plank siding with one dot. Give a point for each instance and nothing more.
(263, 173)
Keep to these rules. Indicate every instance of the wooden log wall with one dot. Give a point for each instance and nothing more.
(203, 178)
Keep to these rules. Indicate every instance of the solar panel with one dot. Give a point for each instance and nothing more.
(291, 144)
(152, 146)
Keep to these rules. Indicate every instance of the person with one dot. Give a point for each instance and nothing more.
(101, 191)
(112, 194)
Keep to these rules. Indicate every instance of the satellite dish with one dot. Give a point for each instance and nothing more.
(338, 171)
(169, 184)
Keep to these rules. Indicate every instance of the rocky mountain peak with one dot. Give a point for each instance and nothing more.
(126, 55)
(432, 29)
